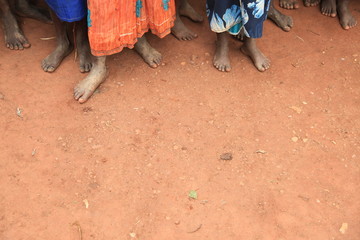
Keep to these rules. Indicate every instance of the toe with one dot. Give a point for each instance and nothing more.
(85, 97)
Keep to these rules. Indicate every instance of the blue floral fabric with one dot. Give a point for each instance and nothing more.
(68, 10)
(233, 15)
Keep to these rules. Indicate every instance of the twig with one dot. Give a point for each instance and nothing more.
(47, 38)
(300, 38)
(313, 32)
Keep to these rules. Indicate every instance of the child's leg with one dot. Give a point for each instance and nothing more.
(347, 20)
(98, 73)
(180, 31)
(221, 58)
(83, 46)
(14, 37)
(283, 21)
(25, 9)
(63, 48)
(289, 4)
(148, 53)
(250, 49)
(311, 3)
(328, 8)
(186, 10)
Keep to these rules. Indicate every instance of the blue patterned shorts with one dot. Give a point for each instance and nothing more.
(233, 15)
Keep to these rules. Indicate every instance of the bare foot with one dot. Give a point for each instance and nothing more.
(250, 49)
(14, 37)
(311, 3)
(328, 8)
(148, 53)
(187, 10)
(221, 59)
(347, 20)
(289, 4)
(16, 40)
(51, 62)
(181, 32)
(283, 21)
(85, 88)
(82, 42)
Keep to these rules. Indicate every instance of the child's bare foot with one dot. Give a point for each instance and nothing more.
(289, 4)
(14, 37)
(181, 32)
(51, 62)
(250, 49)
(148, 53)
(221, 59)
(347, 20)
(82, 42)
(311, 3)
(283, 21)
(328, 8)
(187, 10)
(98, 73)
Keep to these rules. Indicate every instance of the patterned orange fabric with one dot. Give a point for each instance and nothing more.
(115, 24)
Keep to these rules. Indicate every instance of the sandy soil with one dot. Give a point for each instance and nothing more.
(122, 165)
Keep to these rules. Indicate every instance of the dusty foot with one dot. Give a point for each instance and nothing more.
(51, 62)
(347, 20)
(221, 59)
(250, 49)
(148, 53)
(181, 32)
(289, 4)
(328, 8)
(16, 40)
(187, 10)
(86, 61)
(311, 3)
(85, 88)
(283, 21)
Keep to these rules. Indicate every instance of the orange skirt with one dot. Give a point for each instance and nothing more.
(115, 24)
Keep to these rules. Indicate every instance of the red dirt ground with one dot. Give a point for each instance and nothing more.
(137, 147)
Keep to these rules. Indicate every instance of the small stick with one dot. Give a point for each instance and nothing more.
(300, 38)
(313, 32)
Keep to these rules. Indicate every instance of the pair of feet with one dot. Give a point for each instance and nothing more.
(222, 61)
(14, 36)
(330, 8)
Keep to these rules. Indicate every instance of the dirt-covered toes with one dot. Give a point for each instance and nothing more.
(289, 4)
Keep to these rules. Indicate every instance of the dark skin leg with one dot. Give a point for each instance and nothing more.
(83, 46)
(186, 10)
(180, 31)
(63, 48)
(25, 9)
(328, 8)
(221, 58)
(148, 53)
(347, 20)
(14, 37)
(85, 89)
(289, 4)
(283, 21)
(250, 49)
